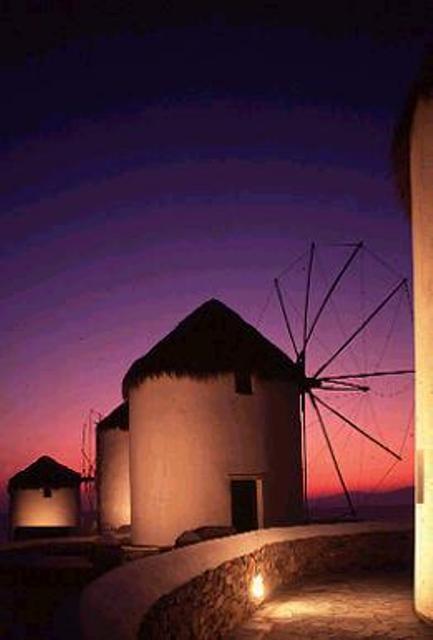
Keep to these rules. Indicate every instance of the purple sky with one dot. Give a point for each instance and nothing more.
(143, 173)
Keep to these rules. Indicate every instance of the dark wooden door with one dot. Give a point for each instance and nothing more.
(244, 505)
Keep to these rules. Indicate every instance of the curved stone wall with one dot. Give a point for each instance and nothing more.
(205, 590)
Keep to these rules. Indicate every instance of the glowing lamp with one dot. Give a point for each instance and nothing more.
(257, 587)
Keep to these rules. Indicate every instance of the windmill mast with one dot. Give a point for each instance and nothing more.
(88, 463)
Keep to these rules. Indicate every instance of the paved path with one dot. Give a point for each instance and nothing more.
(365, 607)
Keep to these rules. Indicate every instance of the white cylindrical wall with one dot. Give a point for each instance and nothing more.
(188, 436)
(422, 245)
(113, 482)
(30, 508)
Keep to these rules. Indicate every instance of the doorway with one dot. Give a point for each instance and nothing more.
(244, 504)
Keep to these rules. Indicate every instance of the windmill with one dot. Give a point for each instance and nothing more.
(317, 384)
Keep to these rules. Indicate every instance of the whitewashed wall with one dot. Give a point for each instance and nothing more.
(422, 239)
(113, 482)
(29, 508)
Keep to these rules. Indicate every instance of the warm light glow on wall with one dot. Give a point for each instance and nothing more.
(422, 230)
(113, 479)
(258, 587)
(29, 508)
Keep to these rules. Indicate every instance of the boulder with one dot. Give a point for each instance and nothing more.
(203, 533)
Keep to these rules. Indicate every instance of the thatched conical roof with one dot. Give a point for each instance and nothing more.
(421, 88)
(117, 419)
(44, 472)
(212, 340)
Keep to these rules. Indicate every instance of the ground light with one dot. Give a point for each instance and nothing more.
(257, 587)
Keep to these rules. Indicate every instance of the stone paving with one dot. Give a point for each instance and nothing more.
(363, 607)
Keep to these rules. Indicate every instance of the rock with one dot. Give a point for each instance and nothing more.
(209, 532)
(203, 533)
(187, 537)
(125, 529)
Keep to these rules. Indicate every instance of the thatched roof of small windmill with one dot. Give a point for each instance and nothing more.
(44, 472)
(421, 88)
(117, 419)
(211, 341)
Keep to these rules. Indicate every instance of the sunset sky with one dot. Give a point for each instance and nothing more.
(149, 163)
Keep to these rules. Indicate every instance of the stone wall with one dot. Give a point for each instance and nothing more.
(212, 604)
(203, 590)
